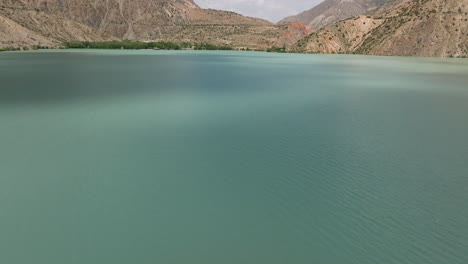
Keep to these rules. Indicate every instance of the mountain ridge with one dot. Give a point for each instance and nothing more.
(331, 11)
(149, 20)
(436, 28)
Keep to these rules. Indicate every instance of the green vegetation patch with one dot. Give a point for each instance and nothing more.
(277, 50)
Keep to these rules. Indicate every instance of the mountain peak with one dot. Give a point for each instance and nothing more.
(331, 11)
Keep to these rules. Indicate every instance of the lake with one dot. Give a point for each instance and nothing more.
(113, 157)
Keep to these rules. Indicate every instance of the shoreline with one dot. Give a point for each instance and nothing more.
(212, 48)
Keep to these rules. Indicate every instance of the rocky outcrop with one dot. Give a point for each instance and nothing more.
(343, 37)
(437, 28)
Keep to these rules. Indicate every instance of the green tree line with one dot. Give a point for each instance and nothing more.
(141, 45)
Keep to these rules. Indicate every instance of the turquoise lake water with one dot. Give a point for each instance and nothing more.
(113, 157)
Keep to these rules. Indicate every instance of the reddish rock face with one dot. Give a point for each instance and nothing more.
(295, 31)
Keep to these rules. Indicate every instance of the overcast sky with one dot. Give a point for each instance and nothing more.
(272, 10)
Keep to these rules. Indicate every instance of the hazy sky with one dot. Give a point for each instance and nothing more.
(272, 10)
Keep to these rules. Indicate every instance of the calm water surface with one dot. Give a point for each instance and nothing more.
(113, 157)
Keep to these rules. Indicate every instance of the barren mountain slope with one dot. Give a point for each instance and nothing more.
(423, 28)
(126, 19)
(415, 28)
(14, 35)
(42, 29)
(140, 19)
(331, 11)
(243, 35)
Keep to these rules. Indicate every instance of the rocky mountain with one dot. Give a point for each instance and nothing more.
(145, 20)
(437, 28)
(387, 27)
(125, 19)
(331, 11)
